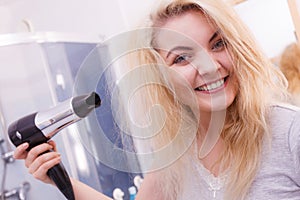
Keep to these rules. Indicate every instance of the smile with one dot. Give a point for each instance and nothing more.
(212, 86)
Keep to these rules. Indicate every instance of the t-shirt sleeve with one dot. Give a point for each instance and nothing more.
(294, 139)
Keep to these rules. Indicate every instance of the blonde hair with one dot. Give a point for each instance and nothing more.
(260, 83)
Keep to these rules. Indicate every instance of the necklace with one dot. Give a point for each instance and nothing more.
(215, 184)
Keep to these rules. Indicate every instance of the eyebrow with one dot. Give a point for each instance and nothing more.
(214, 36)
(189, 48)
(177, 49)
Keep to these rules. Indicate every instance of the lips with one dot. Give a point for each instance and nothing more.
(212, 86)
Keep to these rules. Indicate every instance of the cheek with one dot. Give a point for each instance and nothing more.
(235, 84)
(227, 61)
(232, 90)
(181, 82)
(182, 76)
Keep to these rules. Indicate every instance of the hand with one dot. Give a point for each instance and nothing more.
(37, 162)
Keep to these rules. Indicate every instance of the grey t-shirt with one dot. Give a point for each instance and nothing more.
(279, 175)
(278, 178)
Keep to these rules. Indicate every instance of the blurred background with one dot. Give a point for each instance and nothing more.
(43, 45)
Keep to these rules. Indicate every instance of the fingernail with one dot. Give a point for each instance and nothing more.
(24, 145)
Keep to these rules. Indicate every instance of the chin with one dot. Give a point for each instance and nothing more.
(218, 104)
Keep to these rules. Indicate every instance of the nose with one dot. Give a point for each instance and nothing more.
(205, 63)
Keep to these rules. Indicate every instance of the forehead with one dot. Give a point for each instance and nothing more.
(192, 28)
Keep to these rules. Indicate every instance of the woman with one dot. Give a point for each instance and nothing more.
(246, 144)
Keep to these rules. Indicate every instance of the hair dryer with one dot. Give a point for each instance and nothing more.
(39, 127)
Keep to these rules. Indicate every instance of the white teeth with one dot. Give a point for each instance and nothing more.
(212, 86)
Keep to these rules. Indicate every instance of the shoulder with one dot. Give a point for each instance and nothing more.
(285, 122)
(284, 113)
(285, 108)
(285, 119)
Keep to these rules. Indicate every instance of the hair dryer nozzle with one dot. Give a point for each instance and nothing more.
(83, 105)
(93, 100)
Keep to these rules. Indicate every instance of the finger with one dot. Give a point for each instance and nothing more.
(35, 152)
(40, 160)
(41, 172)
(53, 144)
(20, 152)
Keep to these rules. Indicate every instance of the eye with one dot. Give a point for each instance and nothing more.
(219, 45)
(181, 59)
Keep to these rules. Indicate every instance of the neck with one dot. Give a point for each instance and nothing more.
(209, 141)
(211, 121)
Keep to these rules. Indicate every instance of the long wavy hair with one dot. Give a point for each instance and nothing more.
(260, 86)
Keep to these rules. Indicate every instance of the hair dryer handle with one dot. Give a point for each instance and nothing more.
(62, 180)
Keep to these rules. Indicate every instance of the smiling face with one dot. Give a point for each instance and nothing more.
(195, 52)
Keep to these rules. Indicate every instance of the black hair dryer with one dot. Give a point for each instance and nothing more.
(39, 127)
